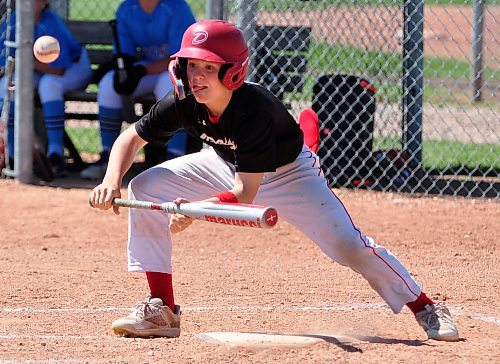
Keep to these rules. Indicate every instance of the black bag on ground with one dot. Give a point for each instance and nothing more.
(345, 105)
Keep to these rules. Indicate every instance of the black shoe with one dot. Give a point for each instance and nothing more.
(97, 170)
(58, 165)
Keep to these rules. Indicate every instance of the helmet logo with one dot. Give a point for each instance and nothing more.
(200, 36)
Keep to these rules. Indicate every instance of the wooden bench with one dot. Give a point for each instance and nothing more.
(282, 55)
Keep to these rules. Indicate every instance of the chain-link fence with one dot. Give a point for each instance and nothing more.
(434, 69)
(407, 94)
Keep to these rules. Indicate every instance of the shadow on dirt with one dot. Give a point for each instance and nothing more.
(73, 179)
(341, 342)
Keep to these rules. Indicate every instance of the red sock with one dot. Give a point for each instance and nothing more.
(420, 303)
(160, 285)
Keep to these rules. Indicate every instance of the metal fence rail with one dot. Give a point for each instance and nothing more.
(435, 69)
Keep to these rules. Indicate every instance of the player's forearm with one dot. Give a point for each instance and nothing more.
(122, 156)
(239, 195)
(244, 190)
(244, 195)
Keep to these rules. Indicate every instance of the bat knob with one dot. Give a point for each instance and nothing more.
(90, 203)
(270, 217)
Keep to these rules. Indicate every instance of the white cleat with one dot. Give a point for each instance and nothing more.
(437, 322)
(150, 318)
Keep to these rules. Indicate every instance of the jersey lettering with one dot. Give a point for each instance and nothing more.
(225, 141)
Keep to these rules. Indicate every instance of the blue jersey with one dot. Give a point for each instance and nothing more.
(156, 35)
(49, 24)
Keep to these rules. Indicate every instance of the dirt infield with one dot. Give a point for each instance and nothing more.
(64, 281)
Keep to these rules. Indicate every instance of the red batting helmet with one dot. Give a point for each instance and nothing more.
(212, 41)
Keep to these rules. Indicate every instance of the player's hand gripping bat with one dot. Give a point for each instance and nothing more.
(128, 106)
(218, 212)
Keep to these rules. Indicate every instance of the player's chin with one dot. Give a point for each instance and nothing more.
(201, 96)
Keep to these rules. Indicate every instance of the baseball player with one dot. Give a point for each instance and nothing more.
(156, 28)
(70, 71)
(257, 155)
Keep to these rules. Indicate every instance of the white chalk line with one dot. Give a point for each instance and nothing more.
(246, 309)
(349, 307)
(57, 337)
(281, 308)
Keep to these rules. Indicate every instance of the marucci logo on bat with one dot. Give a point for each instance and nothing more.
(237, 222)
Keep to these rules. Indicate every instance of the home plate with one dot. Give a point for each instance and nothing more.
(269, 339)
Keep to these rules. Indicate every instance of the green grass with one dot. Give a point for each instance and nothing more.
(387, 143)
(329, 59)
(343, 59)
(86, 140)
(93, 9)
(452, 157)
(461, 157)
(325, 58)
(435, 67)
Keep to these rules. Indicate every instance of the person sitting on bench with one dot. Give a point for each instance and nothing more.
(156, 27)
(70, 71)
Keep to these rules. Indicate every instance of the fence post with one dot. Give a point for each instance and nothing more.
(247, 15)
(61, 7)
(216, 9)
(477, 50)
(23, 121)
(413, 61)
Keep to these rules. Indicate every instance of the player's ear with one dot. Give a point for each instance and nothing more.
(177, 70)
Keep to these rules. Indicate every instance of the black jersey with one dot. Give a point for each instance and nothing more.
(256, 133)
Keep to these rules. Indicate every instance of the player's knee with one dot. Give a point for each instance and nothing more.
(343, 246)
(106, 93)
(50, 87)
(163, 86)
(145, 186)
(137, 185)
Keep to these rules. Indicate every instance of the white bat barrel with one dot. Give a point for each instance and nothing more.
(217, 212)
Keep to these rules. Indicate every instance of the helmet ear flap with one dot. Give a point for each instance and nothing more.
(223, 70)
(233, 75)
(178, 76)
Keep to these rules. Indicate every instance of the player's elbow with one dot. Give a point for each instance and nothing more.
(246, 186)
(130, 138)
(244, 195)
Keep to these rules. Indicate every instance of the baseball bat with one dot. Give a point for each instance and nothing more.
(247, 215)
(128, 106)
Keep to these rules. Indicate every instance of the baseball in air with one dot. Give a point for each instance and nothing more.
(46, 49)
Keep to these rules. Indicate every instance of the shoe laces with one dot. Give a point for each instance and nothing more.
(146, 308)
(436, 316)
